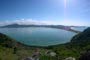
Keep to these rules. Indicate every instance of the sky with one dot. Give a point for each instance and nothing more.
(58, 12)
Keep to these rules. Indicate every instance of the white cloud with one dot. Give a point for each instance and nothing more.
(26, 22)
(44, 22)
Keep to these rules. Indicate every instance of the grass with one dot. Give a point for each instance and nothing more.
(7, 54)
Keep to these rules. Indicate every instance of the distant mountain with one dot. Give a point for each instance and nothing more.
(17, 25)
(51, 26)
(68, 28)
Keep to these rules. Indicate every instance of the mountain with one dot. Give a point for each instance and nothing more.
(68, 28)
(17, 25)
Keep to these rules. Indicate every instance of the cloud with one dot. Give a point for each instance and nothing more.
(26, 22)
(44, 22)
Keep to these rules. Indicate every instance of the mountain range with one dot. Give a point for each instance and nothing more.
(68, 28)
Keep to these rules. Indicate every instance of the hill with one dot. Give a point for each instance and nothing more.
(78, 45)
(82, 38)
(68, 28)
(7, 41)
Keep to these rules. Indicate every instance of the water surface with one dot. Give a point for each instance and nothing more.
(39, 36)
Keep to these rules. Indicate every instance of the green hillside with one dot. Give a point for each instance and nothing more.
(82, 39)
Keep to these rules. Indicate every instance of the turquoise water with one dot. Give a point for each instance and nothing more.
(39, 36)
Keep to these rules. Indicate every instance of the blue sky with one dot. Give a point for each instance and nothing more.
(63, 12)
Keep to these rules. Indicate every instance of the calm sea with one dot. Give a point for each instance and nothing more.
(38, 36)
